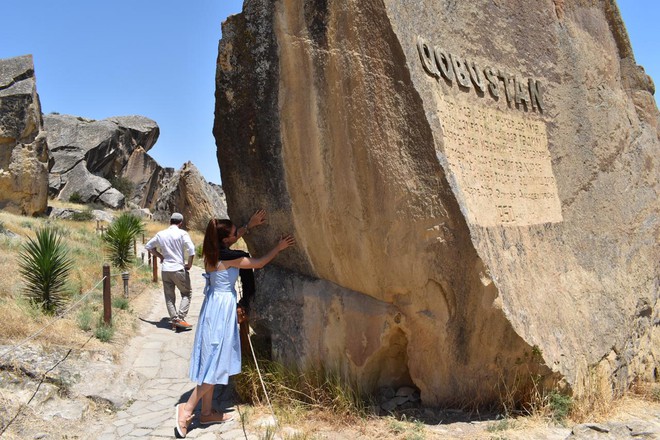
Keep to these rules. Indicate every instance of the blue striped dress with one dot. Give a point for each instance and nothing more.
(216, 353)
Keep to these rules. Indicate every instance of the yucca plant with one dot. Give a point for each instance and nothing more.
(45, 264)
(119, 239)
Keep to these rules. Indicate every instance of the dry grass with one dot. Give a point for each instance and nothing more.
(312, 395)
(83, 286)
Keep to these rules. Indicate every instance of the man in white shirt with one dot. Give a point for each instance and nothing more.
(169, 246)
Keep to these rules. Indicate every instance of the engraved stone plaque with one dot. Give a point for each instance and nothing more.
(501, 164)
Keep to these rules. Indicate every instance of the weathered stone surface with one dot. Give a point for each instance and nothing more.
(23, 149)
(67, 387)
(613, 431)
(63, 213)
(102, 147)
(89, 187)
(455, 231)
(147, 176)
(190, 194)
(103, 216)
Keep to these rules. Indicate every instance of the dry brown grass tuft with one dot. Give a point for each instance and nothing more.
(296, 396)
(646, 390)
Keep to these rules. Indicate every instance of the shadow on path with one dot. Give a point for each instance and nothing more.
(163, 323)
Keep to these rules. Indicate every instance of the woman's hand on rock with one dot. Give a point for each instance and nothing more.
(286, 241)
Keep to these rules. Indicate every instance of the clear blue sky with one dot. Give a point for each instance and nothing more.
(156, 58)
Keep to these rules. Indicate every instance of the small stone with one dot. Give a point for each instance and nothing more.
(405, 391)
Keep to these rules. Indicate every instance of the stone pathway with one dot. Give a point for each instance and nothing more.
(160, 356)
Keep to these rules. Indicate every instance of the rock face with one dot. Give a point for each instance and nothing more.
(23, 148)
(473, 187)
(190, 194)
(147, 177)
(86, 153)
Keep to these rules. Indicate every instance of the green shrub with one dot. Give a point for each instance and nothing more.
(123, 185)
(85, 319)
(45, 264)
(104, 333)
(76, 198)
(82, 216)
(119, 239)
(120, 303)
(560, 405)
(503, 424)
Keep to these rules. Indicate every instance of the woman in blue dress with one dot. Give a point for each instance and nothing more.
(216, 351)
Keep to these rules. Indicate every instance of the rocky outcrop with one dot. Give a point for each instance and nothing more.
(190, 194)
(86, 154)
(473, 187)
(23, 148)
(147, 177)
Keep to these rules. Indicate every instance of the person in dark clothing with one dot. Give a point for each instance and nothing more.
(245, 275)
(247, 282)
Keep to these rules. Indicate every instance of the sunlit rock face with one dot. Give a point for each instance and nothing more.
(473, 187)
(148, 178)
(186, 191)
(23, 147)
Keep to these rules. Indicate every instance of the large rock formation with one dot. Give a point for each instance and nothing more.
(147, 177)
(86, 153)
(23, 149)
(190, 194)
(473, 187)
(88, 156)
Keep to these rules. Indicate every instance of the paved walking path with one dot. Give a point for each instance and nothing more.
(160, 356)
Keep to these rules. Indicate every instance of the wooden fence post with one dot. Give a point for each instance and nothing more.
(124, 277)
(107, 303)
(155, 268)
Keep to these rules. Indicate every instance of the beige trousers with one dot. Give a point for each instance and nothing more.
(180, 280)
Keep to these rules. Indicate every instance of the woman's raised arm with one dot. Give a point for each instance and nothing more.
(258, 263)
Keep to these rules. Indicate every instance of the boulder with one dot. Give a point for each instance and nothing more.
(190, 194)
(103, 216)
(23, 147)
(102, 147)
(88, 188)
(473, 187)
